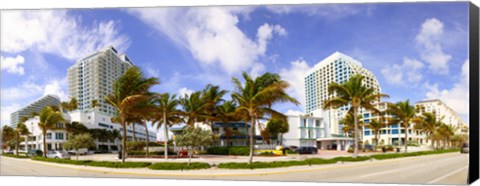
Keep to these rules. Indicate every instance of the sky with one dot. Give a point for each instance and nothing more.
(416, 51)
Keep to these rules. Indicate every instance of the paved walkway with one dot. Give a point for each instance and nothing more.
(216, 159)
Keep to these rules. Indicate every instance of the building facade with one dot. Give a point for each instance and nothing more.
(56, 137)
(442, 112)
(336, 68)
(92, 77)
(35, 106)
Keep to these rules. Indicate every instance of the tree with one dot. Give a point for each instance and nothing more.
(404, 116)
(80, 141)
(75, 128)
(48, 119)
(192, 138)
(226, 113)
(256, 97)
(446, 131)
(212, 95)
(21, 129)
(427, 123)
(355, 94)
(131, 88)
(168, 114)
(8, 134)
(277, 126)
(375, 126)
(349, 123)
(94, 104)
(193, 107)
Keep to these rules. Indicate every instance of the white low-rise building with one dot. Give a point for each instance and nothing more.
(55, 138)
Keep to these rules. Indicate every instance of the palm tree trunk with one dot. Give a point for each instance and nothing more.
(134, 135)
(406, 138)
(17, 144)
(44, 131)
(124, 140)
(190, 157)
(211, 128)
(252, 132)
(166, 135)
(355, 121)
(433, 144)
(146, 131)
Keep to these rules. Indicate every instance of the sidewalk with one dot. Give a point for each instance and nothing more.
(216, 159)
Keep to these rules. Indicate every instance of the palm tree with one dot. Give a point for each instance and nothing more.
(94, 104)
(375, 126)
(404, 116)
(355, 94)
(226, 113)
(145, 110)
(8, 133)
(168, 114)
(256, 97)
(212, 95)
(73, 104)
(193, 107)
(349, 123)
(131, 88)
(447, 131)
(427, 124)
(65, 106)
(48, 119)
(20, 129)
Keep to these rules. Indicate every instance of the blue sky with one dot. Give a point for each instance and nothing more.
(416, 50)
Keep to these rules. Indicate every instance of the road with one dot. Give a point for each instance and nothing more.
(442, 169)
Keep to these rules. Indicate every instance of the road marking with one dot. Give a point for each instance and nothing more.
(184, 174)
(443, 177)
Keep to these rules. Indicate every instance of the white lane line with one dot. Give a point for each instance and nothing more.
(386, 172)
(447, 175)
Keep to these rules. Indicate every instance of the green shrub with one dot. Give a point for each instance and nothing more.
(118, 164)
(238, 151)
(267, 153)
(178, 166)
(275, 164)
(351, 159)
(159, 153)
(95, 163)
(15, 156)
(291, 152)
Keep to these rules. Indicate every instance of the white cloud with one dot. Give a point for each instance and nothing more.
(24, 91)
(56, 87)
(13, 65)
(291, 112)
(295, 77)
(457, 97)
(6, 111)
(183, 91)
(211, 35)
(408, 73)
(428, 41)
(57, 32)
(331, 11)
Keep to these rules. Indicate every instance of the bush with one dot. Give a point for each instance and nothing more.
(239, 151)
(118, 164)
(15, 156)
(143, 153)
(275, 164)
(267, 153)
(95, 163)
(291, 152)
(351, 159)
(178, 166)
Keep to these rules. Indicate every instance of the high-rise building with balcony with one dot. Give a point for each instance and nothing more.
(337, 68)
(92, 77)
(442, 112)
(35, 106)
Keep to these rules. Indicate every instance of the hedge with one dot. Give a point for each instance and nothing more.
(16, 156)
(319, 161)
(95, 163)
(160, 153)
(239, 151)
(178, 166)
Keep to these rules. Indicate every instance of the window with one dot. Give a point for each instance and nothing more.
(59, 136)
(49, 135)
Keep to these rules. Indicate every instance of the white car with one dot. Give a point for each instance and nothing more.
(58, 155)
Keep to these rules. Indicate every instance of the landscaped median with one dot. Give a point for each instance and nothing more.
(16, 156)
(231, 165)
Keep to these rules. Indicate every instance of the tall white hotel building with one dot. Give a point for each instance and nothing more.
(92, 77)
(337, 68)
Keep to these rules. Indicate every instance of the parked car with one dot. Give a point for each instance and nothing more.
(82, 151)
(307, 150)
(58, 154)
(465, 148)
(368, 147)
(8, 152)
(33, 153)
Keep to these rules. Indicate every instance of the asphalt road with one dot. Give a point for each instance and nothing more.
(442, 169)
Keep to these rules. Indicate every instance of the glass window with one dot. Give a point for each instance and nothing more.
(49, 135)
